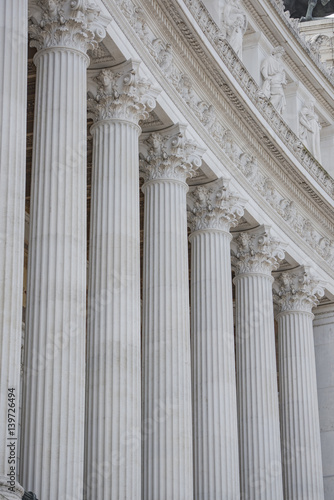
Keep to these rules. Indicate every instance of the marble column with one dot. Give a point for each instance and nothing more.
(297, 293)
(213, 210)
(13, 90)
(323, 332)
(167, 160)
(257, 255)
(54, 396)
(118, 99)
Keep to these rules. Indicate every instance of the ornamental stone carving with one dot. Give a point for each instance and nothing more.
(234, 21)
(298, 290)
(257, 252)
(120, 93)
(249, 167)
(309, 129)
(169, 155)
(75, 24)
(214, 206)
(273, 73)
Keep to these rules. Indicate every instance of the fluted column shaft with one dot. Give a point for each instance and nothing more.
(216, 468)
(113, 439)
(259, 433)
(212, 211)
(167, 417)
(13, 89)
(300, 428)
(56, 292)
(167, 431)
(113, 374)
(53, 429)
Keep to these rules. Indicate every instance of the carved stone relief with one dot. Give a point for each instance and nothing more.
(205, 112)
(273, 74)
(234, 23)
(309, 129)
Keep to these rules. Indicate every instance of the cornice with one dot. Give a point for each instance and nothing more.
(164, 27)
(278, 28)
(275, 124)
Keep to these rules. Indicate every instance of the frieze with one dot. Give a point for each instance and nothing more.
(312, 49)
(263, 104)
(163, 55)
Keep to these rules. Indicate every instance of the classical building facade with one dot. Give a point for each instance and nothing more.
(167, 251)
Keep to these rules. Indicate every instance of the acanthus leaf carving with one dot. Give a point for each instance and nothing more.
(214, 206)
(297, 290)
(257, 252)
(75, 24)
(169, 155)
(224, 138)
(120, 93)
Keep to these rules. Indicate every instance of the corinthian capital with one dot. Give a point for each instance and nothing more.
(169, 155)
(214, 206)
(75, 24)
(120, 93)
(298, 290)
(257, 252)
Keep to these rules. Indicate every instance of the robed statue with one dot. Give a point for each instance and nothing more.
(306, 10)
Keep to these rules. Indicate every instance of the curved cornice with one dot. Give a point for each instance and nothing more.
(174, 46)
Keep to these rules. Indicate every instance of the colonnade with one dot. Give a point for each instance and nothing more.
(193, 425)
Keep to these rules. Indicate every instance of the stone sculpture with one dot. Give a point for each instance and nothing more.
(309, 131)
(235, 22)
(273, 73)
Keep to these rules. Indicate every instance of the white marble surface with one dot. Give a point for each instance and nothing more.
(168, 159)
(257, 255)
(324, 354)
(54, 397)
(13, 90)
(212, 211)
(113, 439)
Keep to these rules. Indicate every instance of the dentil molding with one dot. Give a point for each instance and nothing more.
(162, 52)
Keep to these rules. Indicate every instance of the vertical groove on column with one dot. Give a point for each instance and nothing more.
(113, 453)
(216, 468)
(56, 295)
(302, 464)
(13, 82)
(167, 431)
(259, 435)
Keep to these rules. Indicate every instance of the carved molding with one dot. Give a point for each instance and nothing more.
(214, 206)
(255, 94)
(257, 252)
(120, 93)
(205, 112)
(75, 24)
(309, 46)
(297, 290)
(169, 154)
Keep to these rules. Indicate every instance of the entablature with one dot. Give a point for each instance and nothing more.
(210, 89)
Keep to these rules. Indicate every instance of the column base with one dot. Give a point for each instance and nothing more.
(8, 492)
